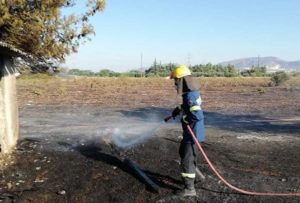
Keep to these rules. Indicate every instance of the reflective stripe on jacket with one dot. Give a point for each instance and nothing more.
(193, 116)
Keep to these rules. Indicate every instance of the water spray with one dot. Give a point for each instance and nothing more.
(128, 136)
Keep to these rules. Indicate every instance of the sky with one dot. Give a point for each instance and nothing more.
(131, 34)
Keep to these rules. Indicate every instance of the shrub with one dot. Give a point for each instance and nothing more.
(260, 90)
(279, 78)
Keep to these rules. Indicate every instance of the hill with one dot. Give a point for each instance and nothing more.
(271, 63)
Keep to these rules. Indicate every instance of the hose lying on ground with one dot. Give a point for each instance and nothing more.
(226, 182)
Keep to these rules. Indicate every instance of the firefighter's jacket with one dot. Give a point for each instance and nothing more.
(193, 116)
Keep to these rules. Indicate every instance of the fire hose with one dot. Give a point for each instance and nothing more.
(226, 182)
(223, 179)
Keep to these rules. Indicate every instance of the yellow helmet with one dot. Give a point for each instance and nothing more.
(180, 71)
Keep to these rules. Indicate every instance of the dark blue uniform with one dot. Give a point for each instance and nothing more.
(192, 116)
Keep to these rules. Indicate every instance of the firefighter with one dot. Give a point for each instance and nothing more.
(192, 115)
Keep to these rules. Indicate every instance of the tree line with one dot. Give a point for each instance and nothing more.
(159, 70)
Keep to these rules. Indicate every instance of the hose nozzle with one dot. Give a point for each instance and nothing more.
(167, 118)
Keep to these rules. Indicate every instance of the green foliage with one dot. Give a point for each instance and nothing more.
(279, 78)
(101, 73)
(108, 73)
(159, 70)
(81, 72)
(206, 70)
(75, 72)
(38, 27)
(201, 70)
(133, 73)
(255, 72)
(295, 74)
(105, 73)
(210, 70)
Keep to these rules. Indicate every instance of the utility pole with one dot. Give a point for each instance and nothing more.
(155, 66)
(170, 66)
(142, 64)
(189, 59)
(258, 61)
(159, 66)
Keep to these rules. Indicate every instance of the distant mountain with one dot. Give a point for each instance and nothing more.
(271, 63)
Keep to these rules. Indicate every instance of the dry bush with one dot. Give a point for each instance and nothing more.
(212, 82)
(294, 81)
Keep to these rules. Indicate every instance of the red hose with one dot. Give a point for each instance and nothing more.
(227, 183)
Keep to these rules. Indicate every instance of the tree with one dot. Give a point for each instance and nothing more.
(255, 72)
(229, 71)
(133, 73)
(106, 73)
(38, 27)
(159, 70)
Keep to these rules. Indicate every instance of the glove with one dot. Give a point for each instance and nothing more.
(176, 112)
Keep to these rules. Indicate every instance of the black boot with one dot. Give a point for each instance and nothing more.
(189, 188)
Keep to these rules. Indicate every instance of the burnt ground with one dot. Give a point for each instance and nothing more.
(77, 152)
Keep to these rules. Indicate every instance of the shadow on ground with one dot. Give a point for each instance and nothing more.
(95, 153)
(254, 123)
(231, 122)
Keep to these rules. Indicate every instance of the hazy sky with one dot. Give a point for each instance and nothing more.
(189, 31)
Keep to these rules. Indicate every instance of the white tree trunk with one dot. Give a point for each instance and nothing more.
(9, 116)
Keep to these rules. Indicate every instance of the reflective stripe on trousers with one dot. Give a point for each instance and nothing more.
(188, 175)
(188, 154)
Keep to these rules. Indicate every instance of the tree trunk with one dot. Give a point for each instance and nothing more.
(9, 116)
